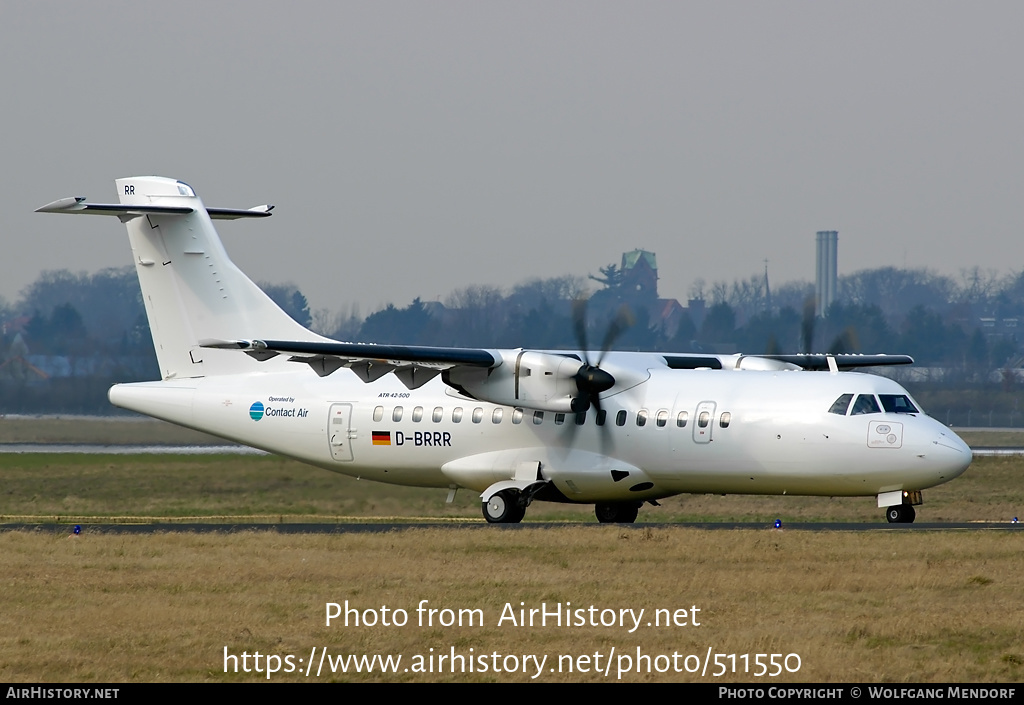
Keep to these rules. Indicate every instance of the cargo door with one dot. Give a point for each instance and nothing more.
(340, 432)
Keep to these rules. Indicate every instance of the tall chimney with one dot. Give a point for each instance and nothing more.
(825, 283)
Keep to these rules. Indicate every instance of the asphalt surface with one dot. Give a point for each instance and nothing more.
(204, 528)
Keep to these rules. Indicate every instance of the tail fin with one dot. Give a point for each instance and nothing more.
(191, 289)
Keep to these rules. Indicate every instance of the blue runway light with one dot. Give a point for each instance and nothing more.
(778, 523)
(78, 529)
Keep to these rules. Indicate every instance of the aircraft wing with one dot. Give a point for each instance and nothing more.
(414, 365)
(795, 361)
(843, 361)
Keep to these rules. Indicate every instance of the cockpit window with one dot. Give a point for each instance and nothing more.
(841, 405)
(865, 404)
(898, 404)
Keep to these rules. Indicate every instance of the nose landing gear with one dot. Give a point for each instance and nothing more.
(900, 514)
(899, 505)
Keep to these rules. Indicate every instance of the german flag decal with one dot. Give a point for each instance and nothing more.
(382, 438)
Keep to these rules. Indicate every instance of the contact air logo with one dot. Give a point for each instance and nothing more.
(257, 411)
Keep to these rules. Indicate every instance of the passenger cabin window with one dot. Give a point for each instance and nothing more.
(662, 418)
(641, 417)
(703, 419)
(559, 419)
(517, 416)
(478, 415)
(496, 415)
(417, 414)
(457, 414)
(602, 416)
(898, 404)
(620, 418)
(378, 413)
(437, 415)
(841, 405)
(581, 418)
(865, 404)
(538, 417)
(396, 415)
(725, 419)
(682, 418)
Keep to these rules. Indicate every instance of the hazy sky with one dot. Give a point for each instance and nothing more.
(413, 148)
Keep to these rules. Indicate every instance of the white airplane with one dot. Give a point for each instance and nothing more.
(615, 430)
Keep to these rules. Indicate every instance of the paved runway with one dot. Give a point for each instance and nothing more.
(87, 529)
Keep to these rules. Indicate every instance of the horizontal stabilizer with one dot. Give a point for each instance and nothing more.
(77, 204)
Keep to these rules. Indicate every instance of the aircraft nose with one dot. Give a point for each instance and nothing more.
(953, 455)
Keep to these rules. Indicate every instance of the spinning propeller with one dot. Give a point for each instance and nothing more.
(591, 380)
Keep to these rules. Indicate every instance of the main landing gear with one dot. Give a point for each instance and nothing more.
(617, 512)
(509, 507)
(505, 507)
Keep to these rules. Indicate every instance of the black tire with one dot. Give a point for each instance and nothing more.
(617, 513)
(900, 514)
(504, 508)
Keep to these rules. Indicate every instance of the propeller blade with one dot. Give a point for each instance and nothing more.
(579, 322)
(622, 322)
(591, 380)
(807, 325)
(845, 342)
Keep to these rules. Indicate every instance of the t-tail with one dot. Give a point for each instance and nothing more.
(192, 290)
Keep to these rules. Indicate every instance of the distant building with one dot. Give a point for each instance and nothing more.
(639, 289)
(640, 275)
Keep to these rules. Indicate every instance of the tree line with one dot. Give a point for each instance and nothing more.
(82, 332)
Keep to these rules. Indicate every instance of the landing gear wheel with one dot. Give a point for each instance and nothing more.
(900, 514)
(618, 513)
(504, 508)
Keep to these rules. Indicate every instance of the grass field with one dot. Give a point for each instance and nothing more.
(903, 606)
(83, 488)
(99, 430)
(879, 607)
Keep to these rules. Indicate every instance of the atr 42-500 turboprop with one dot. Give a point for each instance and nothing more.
(613, 429)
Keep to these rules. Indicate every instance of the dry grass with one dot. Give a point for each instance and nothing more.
(900, 606)
(77, 488)
(99, 431)
(993, 439)
(906, 606)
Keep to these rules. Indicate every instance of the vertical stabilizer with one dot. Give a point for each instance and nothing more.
(191, 289)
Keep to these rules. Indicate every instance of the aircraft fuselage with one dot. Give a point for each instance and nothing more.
(703, 431)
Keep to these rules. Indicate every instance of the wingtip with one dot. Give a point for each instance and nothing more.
(61, 204)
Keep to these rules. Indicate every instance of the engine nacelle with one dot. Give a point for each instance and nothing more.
(532, 380)
(756, 362)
